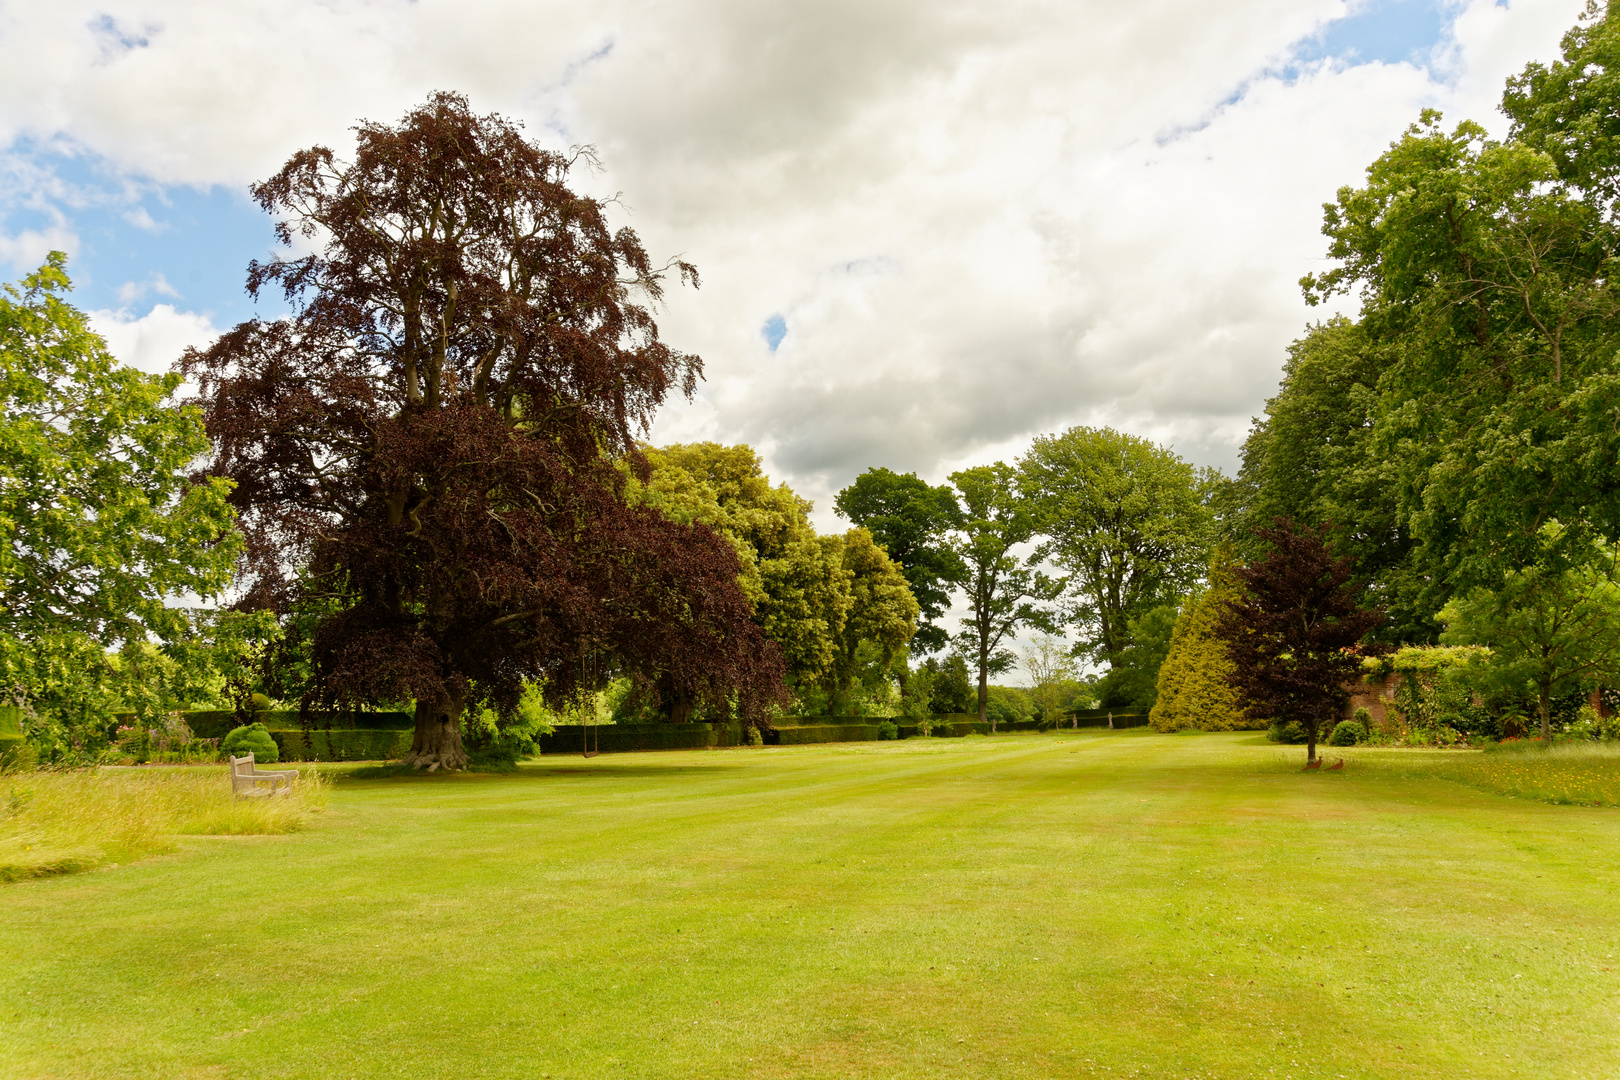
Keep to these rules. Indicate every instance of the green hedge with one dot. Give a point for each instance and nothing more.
(336, 745)
(1099, 718)
(216, 723)
(624, 738)
(804, 734)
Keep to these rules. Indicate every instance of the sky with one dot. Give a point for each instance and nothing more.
(928, 230)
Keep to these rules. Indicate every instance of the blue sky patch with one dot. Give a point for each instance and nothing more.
(775, 329)
(139, 243)
(1388, 31)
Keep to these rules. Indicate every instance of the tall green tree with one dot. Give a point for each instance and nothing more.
(882, 613)
(1566, 109)
(1553, 626)
(911, 520)
(1127, 519)
(1313, 456)
(1485, 279)
(1003, 588)
(102, 528)
(795, 580)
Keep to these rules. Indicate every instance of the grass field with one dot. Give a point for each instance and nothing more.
(1096, 904)
(63, 822)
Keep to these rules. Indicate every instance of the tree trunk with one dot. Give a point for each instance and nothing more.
(1544, 704)
(437, 743)
(984, 694)
(1310, 745)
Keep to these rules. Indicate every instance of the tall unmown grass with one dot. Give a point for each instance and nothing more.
(1571, 774)
(61, 822)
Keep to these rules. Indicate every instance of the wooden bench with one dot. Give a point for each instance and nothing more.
(245, 779)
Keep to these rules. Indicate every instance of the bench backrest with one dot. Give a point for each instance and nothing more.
(242, 766)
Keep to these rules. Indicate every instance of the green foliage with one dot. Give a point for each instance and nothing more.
(363, 744)
(1003, 591)
(1312, 456)
(100, 523)
(1195, 688)
(949, 685)
(1008, 704)
(882, 615)
(795, 579)
(1128, 520)
(1487, 278)
(1554, 625)
(1290, 732)
(888, 729)
(1347, 733)
(910, 520)
(1132, 681)
(251, 739)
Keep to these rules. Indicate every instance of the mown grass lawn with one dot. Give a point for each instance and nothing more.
(1110, 904)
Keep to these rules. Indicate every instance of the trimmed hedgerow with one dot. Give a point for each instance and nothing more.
(342, 745)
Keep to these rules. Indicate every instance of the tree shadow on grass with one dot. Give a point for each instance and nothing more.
(396, 773)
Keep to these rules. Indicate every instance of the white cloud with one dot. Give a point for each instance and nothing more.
(25, 251)
(980, 222)
(154, 341)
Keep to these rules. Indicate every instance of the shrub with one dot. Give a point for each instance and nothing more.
(1347, 733)
(888, 730)
(252, 739)
(1292, 733)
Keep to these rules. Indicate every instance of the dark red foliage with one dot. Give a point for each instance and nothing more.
(1291, 638)
(433, 446)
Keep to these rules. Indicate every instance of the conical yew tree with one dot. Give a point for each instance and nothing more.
(428, 452)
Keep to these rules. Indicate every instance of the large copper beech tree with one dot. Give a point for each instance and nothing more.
(424, 452)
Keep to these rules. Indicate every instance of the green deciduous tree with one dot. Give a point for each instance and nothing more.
(1003, 589)
(912, 521)
(882, 614)
(1052, 673)
(1127, 519)
(1133, 680)
(1485, 281)
(795, 580)
(1313, 456)
(1553, 625)
(101, 528)
(949, 684)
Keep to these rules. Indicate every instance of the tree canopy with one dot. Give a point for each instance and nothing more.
(1291, 634)
(426, 451)
(1002, 587)
(1553, 626)
(102, 530)
(1126, 519)
(911, 520)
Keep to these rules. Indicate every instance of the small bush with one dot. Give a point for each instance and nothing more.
(1347, 733)
(756, 737)
(1292, 733)
(888, 730)
(252, 739)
